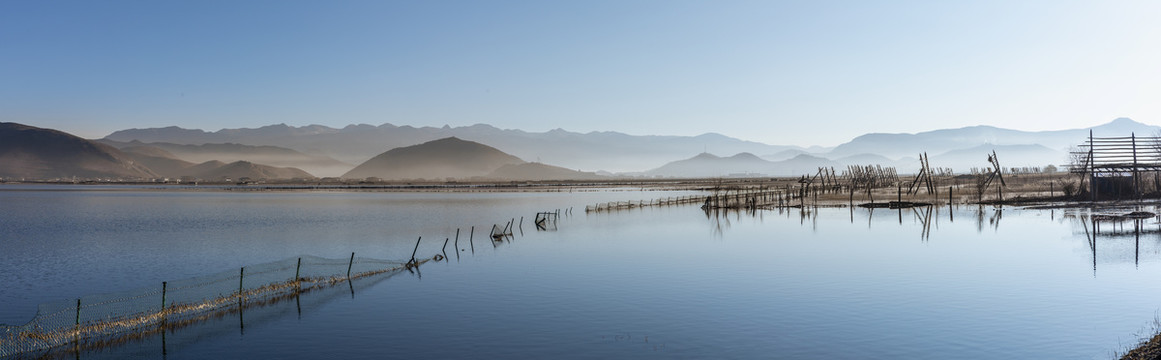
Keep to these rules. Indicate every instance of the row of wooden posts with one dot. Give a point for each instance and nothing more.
(666, 201)
(541, 219)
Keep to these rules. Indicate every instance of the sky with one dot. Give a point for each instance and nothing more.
(779, 72)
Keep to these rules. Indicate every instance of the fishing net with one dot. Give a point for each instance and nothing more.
(99, 318)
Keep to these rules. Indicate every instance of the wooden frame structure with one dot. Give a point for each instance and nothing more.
(1108, 157)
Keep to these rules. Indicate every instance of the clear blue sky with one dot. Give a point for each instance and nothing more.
(795, 72)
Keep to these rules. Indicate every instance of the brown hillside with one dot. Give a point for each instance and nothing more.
(240, 169)
(437, 159)
(162, 166)
(36, 153)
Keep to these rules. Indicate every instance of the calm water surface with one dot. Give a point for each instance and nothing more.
(670, 282)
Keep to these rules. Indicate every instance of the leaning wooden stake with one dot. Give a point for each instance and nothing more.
(352, 262)
(412, 261)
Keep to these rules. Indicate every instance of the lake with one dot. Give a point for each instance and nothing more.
(964, 282)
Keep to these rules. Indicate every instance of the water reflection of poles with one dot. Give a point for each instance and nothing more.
(980, 219)
(995, 219)
(164, 353)
(925, 220)
(1137, 243)
(1091, 241)
(950, 208)
(814, 221)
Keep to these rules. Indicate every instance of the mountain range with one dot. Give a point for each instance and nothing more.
(632, 155)
(455, 159)
(28, 152)
(383, 150)
(609, 151)
(230, 152)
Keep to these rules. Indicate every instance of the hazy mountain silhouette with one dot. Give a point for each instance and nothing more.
(240, 169)
(163, 163)
(435, 160)
(147, 150)
(205, 168)
(941, 141)
(167, 165)
(36, 153)
(229, 152)
(963, 160)
(803, 165)
(538, 172)
(710, 165)
(784, 155)
(875, 159)
(621, 152)
(357, 143)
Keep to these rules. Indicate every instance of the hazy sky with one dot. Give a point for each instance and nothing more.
(794, 72)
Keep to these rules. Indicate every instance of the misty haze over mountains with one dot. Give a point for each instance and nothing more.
(959, 149)
(608, 151)
(391, 152)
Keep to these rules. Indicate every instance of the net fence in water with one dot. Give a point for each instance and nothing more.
(97, 318)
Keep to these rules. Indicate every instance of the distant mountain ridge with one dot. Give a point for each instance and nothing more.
(944, 140)
(356, 143)
(618, 152)
(230, 152)
(168, 166)
(33, 153)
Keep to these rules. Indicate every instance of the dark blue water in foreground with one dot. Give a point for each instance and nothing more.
(668, 282)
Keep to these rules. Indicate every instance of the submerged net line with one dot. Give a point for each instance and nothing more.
(666, 201)
(104, 318)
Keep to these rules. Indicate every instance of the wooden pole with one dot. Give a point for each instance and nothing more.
(163, 286)
(241, 274)
(1092, 169)
(1136, 183)
(298, 269)
(412, 251)
(352, 262)
(78, 322)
